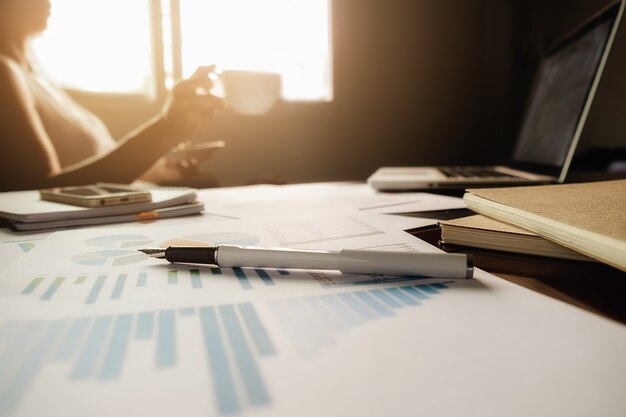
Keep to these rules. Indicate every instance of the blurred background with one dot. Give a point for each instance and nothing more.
(366, 83)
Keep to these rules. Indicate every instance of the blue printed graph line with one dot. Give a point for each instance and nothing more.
(314, 322)
(97, 288)
(96, 348)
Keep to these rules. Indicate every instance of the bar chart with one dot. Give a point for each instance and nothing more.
(97, 348)
(111, 287)
(94, 288)
(313, 323)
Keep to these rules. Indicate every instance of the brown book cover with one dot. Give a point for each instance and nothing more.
(589, 217)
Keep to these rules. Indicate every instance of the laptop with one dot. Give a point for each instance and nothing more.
(563, 91)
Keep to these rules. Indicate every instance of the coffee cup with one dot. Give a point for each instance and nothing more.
(251, 93)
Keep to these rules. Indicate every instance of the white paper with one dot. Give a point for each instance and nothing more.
(126, 336)
(14, 244)
(28, 207)
(261, 200)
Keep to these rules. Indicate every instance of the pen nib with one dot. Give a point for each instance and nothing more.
(154, 252)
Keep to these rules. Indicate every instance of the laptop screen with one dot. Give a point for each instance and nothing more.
(563, 86)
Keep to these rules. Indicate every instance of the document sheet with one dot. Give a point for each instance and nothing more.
(91, 327)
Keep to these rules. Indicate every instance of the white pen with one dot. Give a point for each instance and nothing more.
(348, 261)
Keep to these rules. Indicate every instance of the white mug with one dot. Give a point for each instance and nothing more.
(251, 93)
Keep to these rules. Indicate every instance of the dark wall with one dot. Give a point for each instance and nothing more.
(416, 82)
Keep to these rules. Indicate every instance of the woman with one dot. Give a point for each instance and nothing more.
(46, 139)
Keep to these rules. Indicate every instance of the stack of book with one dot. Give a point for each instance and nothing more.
(486, 233)
(24, 210)
(565, 221)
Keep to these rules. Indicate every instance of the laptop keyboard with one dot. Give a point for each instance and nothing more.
(473, 172)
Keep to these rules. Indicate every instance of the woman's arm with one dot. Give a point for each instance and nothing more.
(186, 114)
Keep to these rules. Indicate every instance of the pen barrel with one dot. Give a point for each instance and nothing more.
(437, 265)
(238, 256)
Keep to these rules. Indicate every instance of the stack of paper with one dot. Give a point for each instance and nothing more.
(26, 211)
(90, 326)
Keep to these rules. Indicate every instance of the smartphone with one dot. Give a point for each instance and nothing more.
(96, 195)
(198, 150)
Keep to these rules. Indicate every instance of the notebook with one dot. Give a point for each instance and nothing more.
(564, 87)
(24, 210)
(589, 217)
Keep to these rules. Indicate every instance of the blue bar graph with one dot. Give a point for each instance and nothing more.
(264, 276)
(8, 331)
(248, 368)
(374, 304)
(141, 279)
(415, 293)
(114, 357)
(52, 289)
(172, 277)
(12, 393)
(243, 278)
(224, 386)
(312, 322)
(427, 289)
(94, 344)
(145, 326)
(402, 296)
(70, 343)
(95, 290)
(97, 348)
(119, 287)
(386, 298)
(32, 286)
(325, 314)
(341, 310)
(196, 282)
(16, 352)
(166, 339)
(256, 330)
(356, 306)
(113, 287)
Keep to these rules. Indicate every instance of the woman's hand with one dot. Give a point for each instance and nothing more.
(191, 107)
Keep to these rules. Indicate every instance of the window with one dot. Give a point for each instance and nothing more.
(115, 46)
(98, 46)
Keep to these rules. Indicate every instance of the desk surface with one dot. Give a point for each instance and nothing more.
(88, 328)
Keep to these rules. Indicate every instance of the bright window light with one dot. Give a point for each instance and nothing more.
(284, 36)
(106, 45)
(98, 46)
